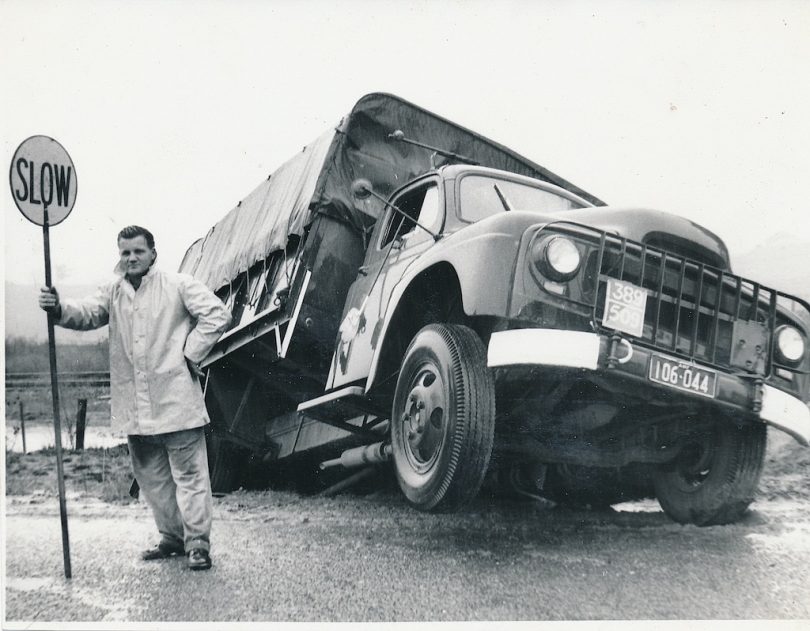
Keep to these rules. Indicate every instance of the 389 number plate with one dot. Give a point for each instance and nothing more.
(683, 376)
(625, 304)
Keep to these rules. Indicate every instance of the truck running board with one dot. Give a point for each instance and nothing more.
(339, 405)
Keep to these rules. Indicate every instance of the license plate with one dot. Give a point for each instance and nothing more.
(683, 376)
(625, 305)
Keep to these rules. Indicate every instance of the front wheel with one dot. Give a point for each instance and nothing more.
(443, 418)
(713, 479)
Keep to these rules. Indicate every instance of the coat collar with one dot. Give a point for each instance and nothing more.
(150, 274)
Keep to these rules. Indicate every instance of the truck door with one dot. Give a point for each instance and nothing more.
(397, 242)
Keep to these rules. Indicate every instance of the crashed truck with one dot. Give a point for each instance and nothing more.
(406, 291)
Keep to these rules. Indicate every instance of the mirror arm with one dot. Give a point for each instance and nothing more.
(399, 136)
(369, 191)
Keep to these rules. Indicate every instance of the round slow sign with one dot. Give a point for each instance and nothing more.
(43, 180)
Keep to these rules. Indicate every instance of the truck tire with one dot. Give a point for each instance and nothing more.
(443, 418)
(714, 478)
(597, 487)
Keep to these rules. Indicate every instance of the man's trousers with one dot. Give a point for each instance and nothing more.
(172, 471)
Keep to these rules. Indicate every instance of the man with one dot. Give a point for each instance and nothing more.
(162, 325)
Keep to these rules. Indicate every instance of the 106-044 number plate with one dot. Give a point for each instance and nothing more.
(683, 376)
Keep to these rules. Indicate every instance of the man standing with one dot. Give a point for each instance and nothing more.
(162, 325)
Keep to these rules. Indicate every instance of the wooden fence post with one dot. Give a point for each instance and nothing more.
(22, 425)
(81, 418)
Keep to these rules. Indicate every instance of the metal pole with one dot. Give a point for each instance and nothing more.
(57, 425)
(346, 483)
(22, 425)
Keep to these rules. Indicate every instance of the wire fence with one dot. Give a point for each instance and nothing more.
(27, 380)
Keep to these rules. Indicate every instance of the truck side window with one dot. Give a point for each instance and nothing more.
(420, 204)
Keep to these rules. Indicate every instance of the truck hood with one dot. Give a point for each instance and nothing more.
(653, 227)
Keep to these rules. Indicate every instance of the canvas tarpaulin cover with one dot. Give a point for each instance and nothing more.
(318, 181)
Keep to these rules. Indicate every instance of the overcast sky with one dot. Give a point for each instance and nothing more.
(174, 111)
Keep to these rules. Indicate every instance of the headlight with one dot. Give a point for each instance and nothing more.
(557, 257)
(789, 344)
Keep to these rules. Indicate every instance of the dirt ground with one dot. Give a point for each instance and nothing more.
(786, 474)
(104, 473)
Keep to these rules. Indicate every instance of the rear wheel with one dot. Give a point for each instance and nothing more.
(714, 478)
(443, 418)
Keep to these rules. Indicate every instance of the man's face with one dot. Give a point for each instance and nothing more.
(136, 256)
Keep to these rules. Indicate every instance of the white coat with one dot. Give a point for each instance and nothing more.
(170, 318)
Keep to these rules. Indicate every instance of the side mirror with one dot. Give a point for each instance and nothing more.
(362, 188)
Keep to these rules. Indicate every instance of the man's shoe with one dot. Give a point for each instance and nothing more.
(162, 550)
(198, 559)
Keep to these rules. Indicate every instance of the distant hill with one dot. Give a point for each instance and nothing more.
(24, 318)
(781, 261)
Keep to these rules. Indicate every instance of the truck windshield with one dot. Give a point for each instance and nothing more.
(482, 196)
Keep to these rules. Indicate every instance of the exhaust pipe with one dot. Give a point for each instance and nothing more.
(359, 456)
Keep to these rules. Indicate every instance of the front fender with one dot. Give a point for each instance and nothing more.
(484, 265)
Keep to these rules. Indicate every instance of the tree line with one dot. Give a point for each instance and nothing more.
(25, 355)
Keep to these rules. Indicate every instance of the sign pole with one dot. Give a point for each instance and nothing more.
(57, 425)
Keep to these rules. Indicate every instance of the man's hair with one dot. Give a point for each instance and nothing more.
(130, 232)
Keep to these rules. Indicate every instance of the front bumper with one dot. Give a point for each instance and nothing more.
(590, 351)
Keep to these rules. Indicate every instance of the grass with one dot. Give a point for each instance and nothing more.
(103, 473)
(37, 404)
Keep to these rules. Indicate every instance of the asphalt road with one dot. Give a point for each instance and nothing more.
(278, 556)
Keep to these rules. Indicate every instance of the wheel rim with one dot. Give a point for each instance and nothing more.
(424, 418)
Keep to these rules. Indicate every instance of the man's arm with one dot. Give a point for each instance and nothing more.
(212, 318)
(89, 313)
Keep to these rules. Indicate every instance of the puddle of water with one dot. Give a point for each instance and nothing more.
(794, 540)
(781, 505)
(28, 584)
(116, 610)
(39, 437)
(639, 506)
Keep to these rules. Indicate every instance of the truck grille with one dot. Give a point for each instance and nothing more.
(694, 310)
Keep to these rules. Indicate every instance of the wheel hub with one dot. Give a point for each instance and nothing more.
(415, 418)
(695, 462)
(423, 419)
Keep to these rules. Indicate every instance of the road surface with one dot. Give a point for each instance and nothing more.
(278, 556)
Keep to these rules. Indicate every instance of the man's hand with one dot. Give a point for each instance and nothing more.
(195, 369)
(49, 301)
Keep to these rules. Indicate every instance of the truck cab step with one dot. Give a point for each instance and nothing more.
(339, 405)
